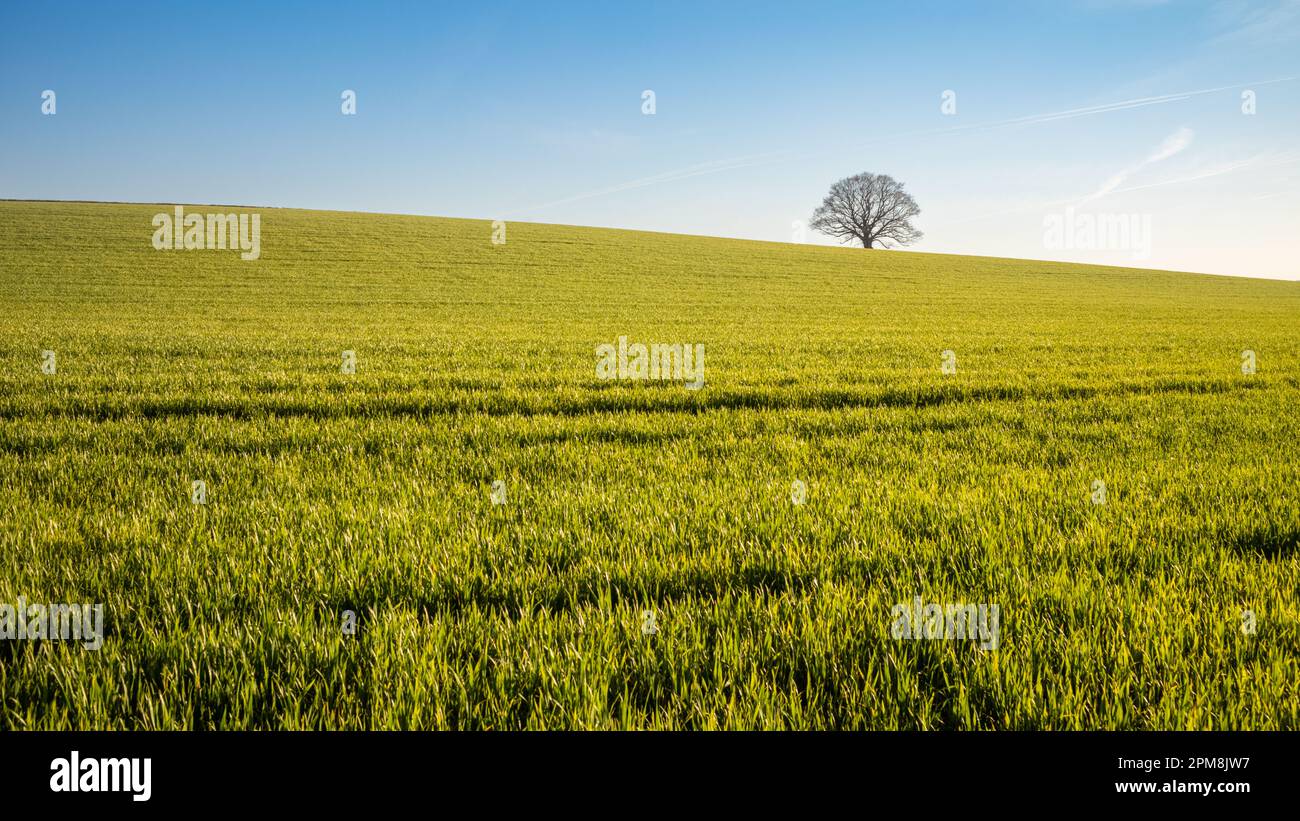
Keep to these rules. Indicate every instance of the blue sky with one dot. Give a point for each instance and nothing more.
(533, 112)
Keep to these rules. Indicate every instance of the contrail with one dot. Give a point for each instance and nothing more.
(771, 157)
(1286, 158)
(1174, 144)
(1253, 162)
(711, 167)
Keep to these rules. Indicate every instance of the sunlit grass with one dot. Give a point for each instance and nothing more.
(370, 493)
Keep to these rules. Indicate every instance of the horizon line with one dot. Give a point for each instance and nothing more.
(842, 247)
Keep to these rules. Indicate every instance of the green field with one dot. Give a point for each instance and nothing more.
(371, 492)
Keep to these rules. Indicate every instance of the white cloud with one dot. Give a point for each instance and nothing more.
(1173, 144)
(1258, 161)
(1253, 24)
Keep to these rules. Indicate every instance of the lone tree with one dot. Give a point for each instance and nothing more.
(869, 208)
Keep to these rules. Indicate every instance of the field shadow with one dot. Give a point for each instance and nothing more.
(1270, 544)
(596, 400)
(452, 601)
